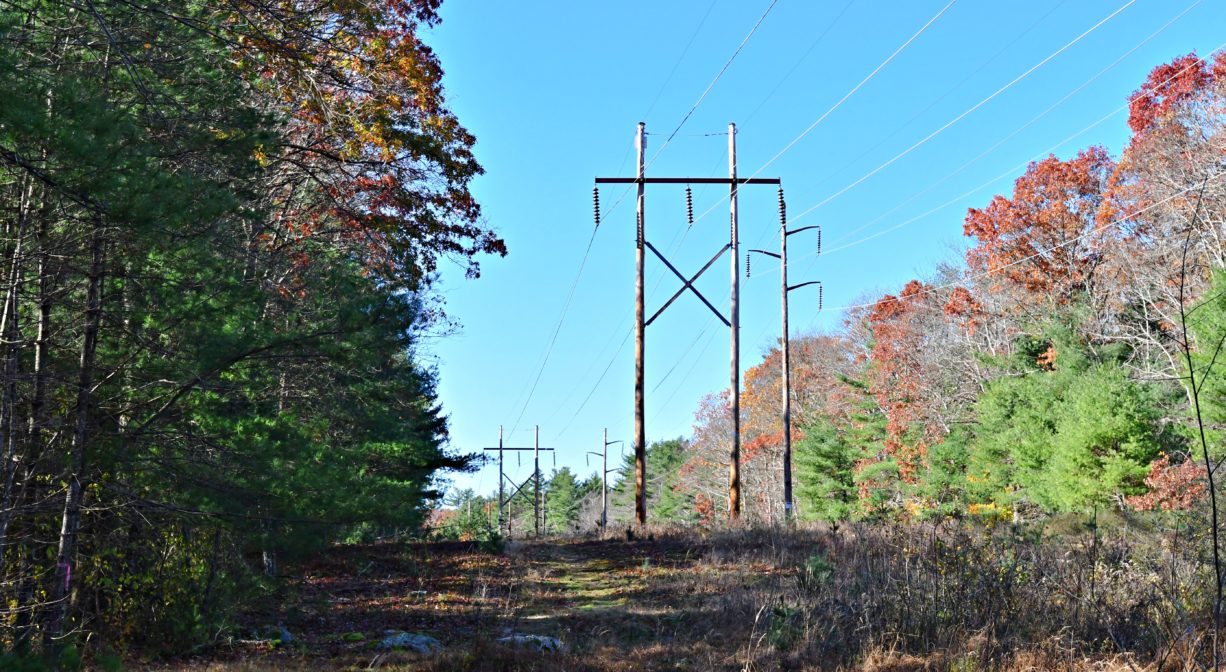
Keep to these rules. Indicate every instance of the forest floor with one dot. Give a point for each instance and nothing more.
(668, 602)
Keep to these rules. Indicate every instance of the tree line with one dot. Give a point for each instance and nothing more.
(221, 224)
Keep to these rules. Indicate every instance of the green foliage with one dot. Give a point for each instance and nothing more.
(664, 501)
(470, 517)
(1207, 325)
(943, 485)
(562, 509)
(815, 573)
(254, 390)
(1066, 439)
(825, 467)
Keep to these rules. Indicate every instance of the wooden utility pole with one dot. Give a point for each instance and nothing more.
(536, 471)
(785, 359)
(734, 312)
(604, 482)
(785, 343)
(604, 478)
(643, 245)
(640, 328)
(501, 490)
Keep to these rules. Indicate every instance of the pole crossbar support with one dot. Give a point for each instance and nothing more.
(803, 228)
(688, 180)
(688, 284)
(517, 489)
(804, 284)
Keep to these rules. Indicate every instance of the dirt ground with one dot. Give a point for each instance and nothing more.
(668, 602)
(617, 605)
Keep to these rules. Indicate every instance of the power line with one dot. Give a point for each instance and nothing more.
(680, 58)
(1099, 229)
(597, 385)
(1025, 126)
(844, 99)
(962, 116)
(1011, 170)
(800, 60)
(570, 295)
(710, 86)
(558, 329)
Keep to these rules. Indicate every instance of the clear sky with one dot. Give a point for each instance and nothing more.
(554, 91)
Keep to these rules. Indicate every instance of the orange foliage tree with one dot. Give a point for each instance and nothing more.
(371, 158)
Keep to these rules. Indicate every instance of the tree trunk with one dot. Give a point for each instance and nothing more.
(75, 494)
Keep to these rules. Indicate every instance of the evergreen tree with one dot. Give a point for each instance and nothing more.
(562, 512)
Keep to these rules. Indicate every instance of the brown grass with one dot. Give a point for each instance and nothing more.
(869, 597)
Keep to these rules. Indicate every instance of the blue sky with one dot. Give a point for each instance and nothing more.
(554, 91)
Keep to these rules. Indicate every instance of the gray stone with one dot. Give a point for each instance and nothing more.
(539, 643)
(410, 641)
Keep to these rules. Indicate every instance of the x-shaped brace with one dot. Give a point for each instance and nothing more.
(688, 284)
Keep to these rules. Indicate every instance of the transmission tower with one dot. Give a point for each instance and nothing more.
(732, 321)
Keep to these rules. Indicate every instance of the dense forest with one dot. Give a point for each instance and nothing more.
(221, 224)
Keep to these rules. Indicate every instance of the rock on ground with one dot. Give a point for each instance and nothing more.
(410, 641)
(534, 642)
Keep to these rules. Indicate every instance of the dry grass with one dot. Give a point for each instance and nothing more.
(943, 597)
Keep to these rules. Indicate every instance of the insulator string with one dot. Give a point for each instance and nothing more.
(596, 203)
(783, 210)
(689, 205)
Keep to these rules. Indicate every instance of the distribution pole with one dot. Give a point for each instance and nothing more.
(501, 490)
(785, 355)
(536, 469)
(785, 341)
(604, 478)
(734, 314)
(640, 430)
(604, 482)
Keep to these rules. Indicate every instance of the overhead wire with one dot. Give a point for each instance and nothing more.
(964, 114)
(1009, 171)
(701, 98)
(962, 281)
(919, 113)
(570, 295)
(1030, 123)
(1178, 16)
(677, 63)
(846, 96)
(672, 135)
(863, 82)
(801, 60)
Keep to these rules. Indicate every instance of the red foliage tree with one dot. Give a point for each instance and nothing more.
(895, 374)
(1171, 486)
(1169, 86)
(1043, 241)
